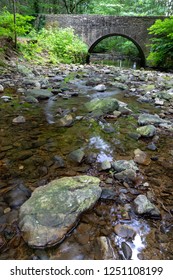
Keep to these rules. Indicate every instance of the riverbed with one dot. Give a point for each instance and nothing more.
(43, 120)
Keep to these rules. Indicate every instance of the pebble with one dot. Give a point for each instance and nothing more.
(141, 157)
(1, 88)
(100, 88)
(19, 119)
(151, 146)
(6, 98)
(7, 210)
(124, 231)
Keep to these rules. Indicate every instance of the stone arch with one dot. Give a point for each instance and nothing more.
(141, 52)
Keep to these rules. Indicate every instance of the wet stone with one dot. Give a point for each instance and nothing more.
(105, 165)
(124, 231)
(65, 121)
(145, 119)
(19, 119)
(104, 248)
(126, 175)
(100, 88)
(109, 193)
(1, 88)
(59, 161)
(127, 251)
(141, 157)
(121, 165)
(77, 156)
(53, 209)
(151, 146)
(144, 206)
(17, 196)
(102, 105)
(6, 98)
(40, 94)
(146, 130)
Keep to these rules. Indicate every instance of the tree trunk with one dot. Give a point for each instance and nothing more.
(14, 20)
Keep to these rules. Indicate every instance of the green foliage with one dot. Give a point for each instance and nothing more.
(117, 44)
(105, 7)
(129, 7)
(7, 26)
(161, 53)
(57, 45)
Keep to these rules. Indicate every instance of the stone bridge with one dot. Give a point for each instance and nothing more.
(94, 28)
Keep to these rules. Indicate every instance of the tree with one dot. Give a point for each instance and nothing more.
(105, 7)
(161, 54)
(14, 20)
(129, 7)
(74, 6)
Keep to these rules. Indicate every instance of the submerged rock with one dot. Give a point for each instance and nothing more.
(77, 155)
(145, 119)
(146, 130)
(65, 121)
(124, 231)
(54, 209)
(141, 157)
(17, 196)
(40, 94)
(102, 105)
(100, 88)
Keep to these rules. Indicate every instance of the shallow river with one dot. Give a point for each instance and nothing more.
(30, 157)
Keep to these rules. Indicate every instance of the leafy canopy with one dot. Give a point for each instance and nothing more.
(7, 26)
(161, 53)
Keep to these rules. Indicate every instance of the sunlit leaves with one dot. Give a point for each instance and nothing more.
(162, 43)
(7, 26)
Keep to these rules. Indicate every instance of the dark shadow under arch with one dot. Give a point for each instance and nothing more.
(141, 53)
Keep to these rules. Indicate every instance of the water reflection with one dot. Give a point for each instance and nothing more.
(107, 59)
(48, 110)
(103, 147)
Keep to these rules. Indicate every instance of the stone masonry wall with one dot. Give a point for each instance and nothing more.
(93, 28)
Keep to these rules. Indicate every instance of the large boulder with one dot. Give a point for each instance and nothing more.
(54, 209)
(40, 94)
(145, 119)
(102, 105)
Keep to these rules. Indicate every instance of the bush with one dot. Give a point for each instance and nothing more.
(58, 45)
(161, 54)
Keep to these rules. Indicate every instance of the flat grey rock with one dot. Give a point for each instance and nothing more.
(54, 209)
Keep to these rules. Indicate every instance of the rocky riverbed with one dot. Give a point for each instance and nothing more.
(86, 161)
